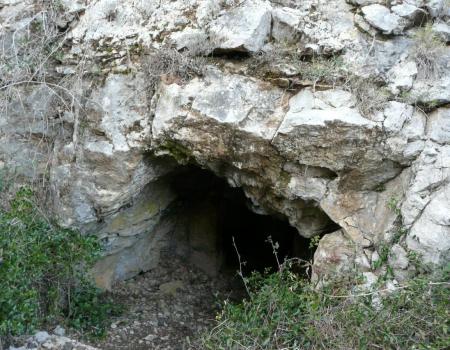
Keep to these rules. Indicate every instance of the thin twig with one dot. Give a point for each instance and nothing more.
(241, 263)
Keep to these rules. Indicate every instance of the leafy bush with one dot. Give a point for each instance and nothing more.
(43, 273)
(284, 311)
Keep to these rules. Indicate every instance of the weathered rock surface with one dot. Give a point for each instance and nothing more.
(243, 28)
(383, 19)
(43, 340)
(304, 151)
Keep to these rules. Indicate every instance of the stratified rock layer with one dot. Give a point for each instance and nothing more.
(298, 149)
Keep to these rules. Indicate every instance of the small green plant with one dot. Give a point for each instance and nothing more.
(44, 273)
(285, 311)
(383, 253)
(394, 205)
(314, 242)
(380, 188)
(399, 234)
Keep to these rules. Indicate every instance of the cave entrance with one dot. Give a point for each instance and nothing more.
(197, 262)
(210, 214)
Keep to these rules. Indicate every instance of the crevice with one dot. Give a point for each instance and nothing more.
(231, 54)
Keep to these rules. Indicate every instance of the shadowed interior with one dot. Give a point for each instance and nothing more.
(210, 214)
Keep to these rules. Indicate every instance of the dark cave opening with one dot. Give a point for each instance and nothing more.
(210, 214)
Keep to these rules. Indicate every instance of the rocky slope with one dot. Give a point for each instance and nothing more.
(323, 111)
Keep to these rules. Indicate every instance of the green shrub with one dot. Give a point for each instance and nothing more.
(43, 273)
(284, 311)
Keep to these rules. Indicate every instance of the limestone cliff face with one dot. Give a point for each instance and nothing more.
(298, 143)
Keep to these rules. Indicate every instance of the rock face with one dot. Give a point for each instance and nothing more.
(43, 340)
(242, 28)
(381, 18)
(298, 149)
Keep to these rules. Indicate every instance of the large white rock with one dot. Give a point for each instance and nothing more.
(439, 126)
(304, 134)
(407, 11)
(398, 257)
(396, 114)
(243, 28)
(430, 234)
(426, 206)
(438, 8)
(442, 29)
(433, 91)
(286, 22)
(401, 76)
(383, 19)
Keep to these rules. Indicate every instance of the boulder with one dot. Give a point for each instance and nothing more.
(442, 29)
(409, 12)
(334, 257)
(401, 77)
(438, 127)
(398, 257)
(437, 8)
(244, 28)
(429, 236)
(286, 22)
(383, 19)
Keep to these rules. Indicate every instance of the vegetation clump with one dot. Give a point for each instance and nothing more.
(321, 72)
(44, 274)
(429, 52)
(27, 53)
(285, 311)
(172, 65)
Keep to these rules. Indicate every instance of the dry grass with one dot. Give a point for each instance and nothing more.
(27, 51)
(370, 97)
(28, 56)
(429, 52)
(329, 72)
(172, 65)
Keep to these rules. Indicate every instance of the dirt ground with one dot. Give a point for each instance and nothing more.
(168, 308)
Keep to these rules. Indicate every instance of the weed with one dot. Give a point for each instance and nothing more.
(44, 273)
(282, 58)
(287, 312)
(394, 205)
(314, 242)
(380, 188)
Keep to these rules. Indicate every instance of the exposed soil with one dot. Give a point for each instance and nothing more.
(168, 308)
